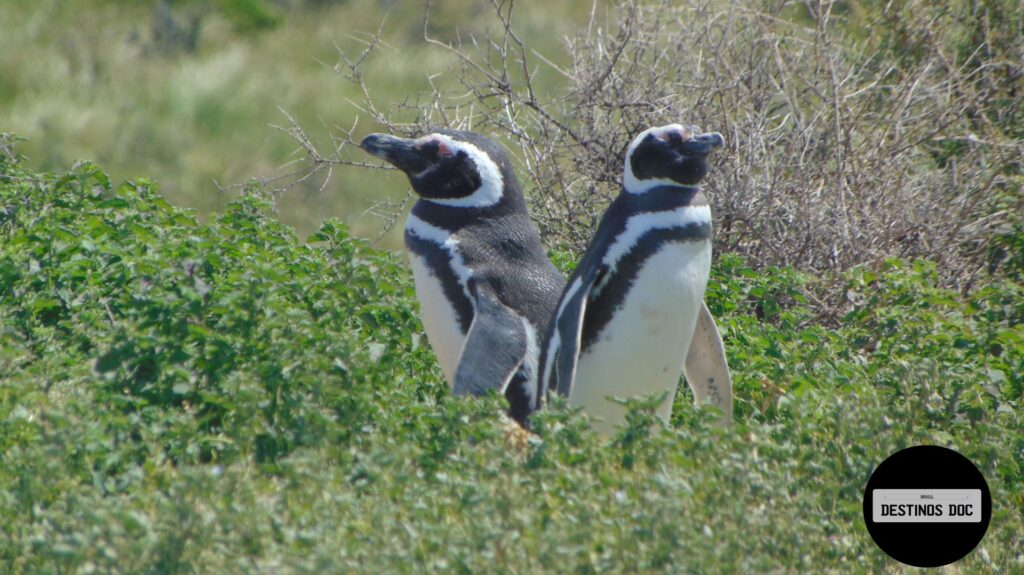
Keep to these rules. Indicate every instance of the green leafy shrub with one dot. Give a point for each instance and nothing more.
(188, 397)
(251, 341)
(1007, 253)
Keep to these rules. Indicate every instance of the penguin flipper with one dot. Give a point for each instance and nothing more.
(569, 328)
(706, 368)
(495, 347)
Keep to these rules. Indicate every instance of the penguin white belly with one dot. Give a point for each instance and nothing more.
(439, 317)
(642, 349)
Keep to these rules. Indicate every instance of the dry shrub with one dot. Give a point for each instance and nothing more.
(855, 131)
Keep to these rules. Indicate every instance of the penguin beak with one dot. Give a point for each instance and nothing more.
(701, 144)
(402, 153)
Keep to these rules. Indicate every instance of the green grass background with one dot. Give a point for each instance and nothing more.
(88, 81)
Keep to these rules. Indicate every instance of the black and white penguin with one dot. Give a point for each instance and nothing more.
(486, 289)
(632, 316)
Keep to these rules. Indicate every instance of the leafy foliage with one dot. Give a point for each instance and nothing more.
(179, 396)
(251, 342)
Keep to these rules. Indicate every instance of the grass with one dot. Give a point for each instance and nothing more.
(188, 397)
(91, 82)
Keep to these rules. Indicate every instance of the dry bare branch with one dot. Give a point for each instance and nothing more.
(843, 149)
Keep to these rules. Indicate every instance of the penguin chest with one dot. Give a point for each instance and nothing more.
(439, 315)
(642, 348)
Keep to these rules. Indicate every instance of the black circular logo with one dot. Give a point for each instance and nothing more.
(927, 506)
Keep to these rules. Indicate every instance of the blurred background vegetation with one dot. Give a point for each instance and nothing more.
(857, 129)
(185, 91)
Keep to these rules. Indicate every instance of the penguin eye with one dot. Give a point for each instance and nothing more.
(436, 150)
(672, 138)
(429, 149)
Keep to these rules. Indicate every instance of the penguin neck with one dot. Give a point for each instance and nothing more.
(664, 197)
(452, 218)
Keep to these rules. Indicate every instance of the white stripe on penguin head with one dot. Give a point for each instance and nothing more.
(491, 182)
(630, 182)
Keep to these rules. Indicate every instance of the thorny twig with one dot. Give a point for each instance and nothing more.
(840, 152)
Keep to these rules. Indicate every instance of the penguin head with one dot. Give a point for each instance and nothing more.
(668, 155)
(448, 167)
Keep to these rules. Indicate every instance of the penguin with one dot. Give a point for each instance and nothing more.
(486, 288)
(632, 317)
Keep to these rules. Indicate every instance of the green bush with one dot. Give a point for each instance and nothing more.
(231, 335)
(188, 397)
